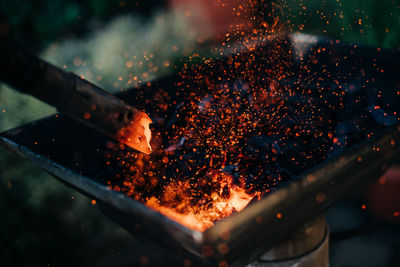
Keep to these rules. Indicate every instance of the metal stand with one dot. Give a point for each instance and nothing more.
(307, 247)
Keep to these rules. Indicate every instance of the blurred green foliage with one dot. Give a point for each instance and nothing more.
(374, 22)
(40, 22)
(45, 223)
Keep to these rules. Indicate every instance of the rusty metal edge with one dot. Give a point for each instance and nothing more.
(297, 202)
(255, 229)
(188, 238)
(259, 236)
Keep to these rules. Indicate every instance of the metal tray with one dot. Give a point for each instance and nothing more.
(74, 154)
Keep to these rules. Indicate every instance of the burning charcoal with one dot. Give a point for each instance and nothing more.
(232, 138)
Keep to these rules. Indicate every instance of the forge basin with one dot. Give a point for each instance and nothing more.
(363, 142)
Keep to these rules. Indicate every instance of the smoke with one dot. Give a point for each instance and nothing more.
(128, 51)
(123, 54)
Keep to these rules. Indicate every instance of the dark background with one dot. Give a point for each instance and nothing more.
(44, 223)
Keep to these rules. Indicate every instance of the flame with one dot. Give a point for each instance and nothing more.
(145, 123)
(203, 170)
(242, 128)
(137, 134)
(202, 218)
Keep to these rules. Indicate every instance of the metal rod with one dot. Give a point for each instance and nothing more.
(72, 95)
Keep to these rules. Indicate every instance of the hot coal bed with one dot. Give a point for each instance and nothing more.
(236, 128)
(229, 132)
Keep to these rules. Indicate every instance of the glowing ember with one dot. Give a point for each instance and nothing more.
(201, 217)
(245, 125)
(138, 133)
(205, 167)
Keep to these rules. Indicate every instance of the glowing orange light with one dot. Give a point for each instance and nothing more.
(214, 130)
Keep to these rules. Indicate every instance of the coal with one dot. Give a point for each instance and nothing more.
(313, 114)
(341, 84)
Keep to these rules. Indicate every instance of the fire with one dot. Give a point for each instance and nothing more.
(240, 127)
(202, 217)
(220, 150)
(137, 134)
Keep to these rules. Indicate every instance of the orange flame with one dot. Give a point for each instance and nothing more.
(137, 134)
(213, 129)
(201, 218)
